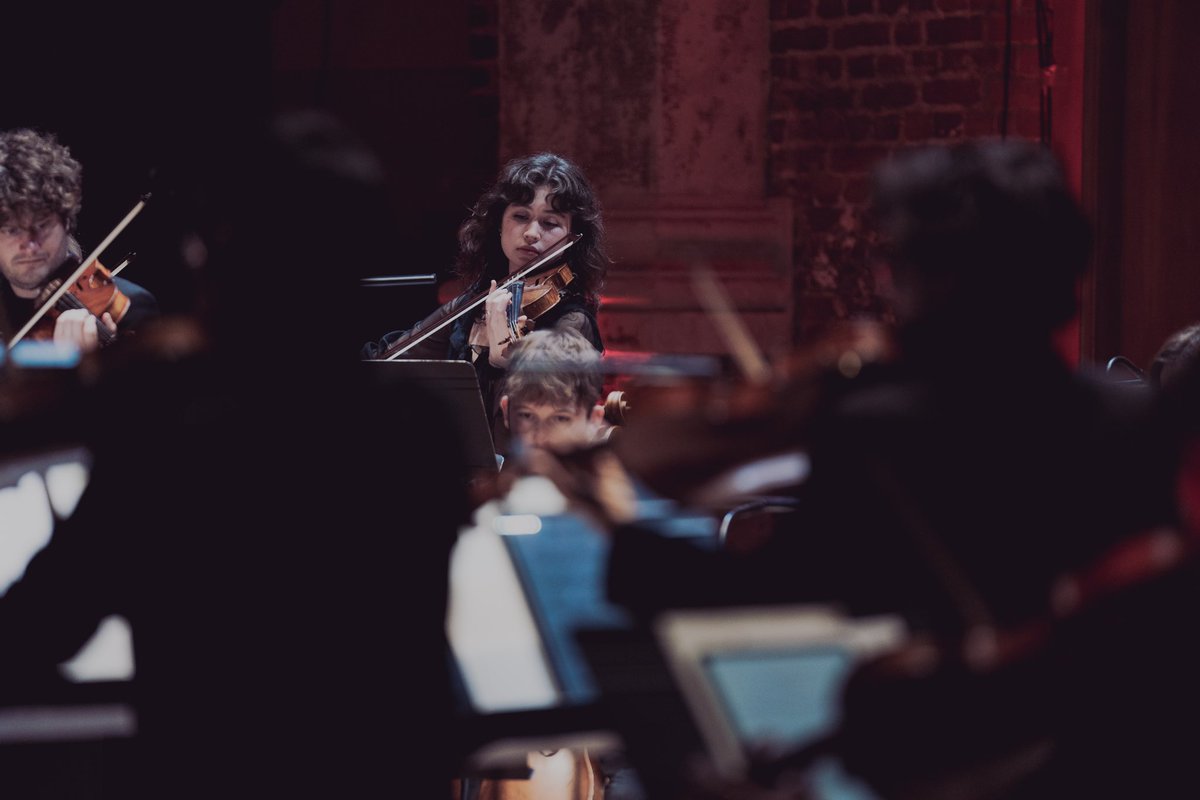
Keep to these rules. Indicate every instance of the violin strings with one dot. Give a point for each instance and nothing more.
(71, 301)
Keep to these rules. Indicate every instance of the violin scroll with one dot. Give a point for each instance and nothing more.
(616, 408)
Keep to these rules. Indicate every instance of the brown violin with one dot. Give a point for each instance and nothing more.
(693, 434)
(544, 292)
(689, 431)
(96, 290)
(531, 300)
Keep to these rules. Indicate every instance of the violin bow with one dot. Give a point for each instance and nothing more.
(83, 265)
(112, 273)
(530, 269)
(737, 337)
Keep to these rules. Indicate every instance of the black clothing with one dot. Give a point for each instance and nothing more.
(453, 343)
(282, 559)
(1016, 477)
(954, 494)
(142, 305)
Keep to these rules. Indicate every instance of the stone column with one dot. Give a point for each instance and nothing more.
(664, 104)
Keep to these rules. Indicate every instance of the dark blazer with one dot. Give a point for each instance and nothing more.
(280, 551)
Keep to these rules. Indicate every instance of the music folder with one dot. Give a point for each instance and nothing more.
(766, 676)
(456, 386)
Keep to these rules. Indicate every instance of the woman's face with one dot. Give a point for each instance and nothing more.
(528, 231)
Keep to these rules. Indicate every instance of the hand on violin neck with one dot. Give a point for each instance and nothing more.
(78, 327)
(500, 335)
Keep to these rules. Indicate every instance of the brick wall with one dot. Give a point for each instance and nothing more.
(854, 80)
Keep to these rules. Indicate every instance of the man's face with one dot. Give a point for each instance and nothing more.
(31, 249)
(559, 427)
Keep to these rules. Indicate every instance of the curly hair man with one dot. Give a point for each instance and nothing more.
(41, 193)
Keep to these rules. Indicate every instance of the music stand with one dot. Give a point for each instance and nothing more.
(456, 386)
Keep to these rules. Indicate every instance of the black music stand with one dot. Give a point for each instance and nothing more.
(456, 386)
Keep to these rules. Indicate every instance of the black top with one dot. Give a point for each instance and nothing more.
(925, 478)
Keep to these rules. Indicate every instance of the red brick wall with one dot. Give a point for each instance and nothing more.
(854, 80)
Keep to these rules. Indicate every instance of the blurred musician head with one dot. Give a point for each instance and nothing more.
(289, 219)
(552, 389)
(1177, 356)
(536, 202)
(985, 235)
(41, 191)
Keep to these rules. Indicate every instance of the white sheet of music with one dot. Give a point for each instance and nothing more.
(32, 497)
(491, 628)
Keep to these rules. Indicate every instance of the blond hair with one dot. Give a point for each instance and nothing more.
(557, 366)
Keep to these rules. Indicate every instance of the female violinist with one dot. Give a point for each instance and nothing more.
(40, 197)
(535, 204)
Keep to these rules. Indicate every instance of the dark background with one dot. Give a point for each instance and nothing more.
(146, 95)
(144, 92)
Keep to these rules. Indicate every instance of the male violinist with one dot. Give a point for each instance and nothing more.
(41, 191)
(956, 485)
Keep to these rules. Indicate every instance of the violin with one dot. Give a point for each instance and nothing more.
(405, 343)
(94, 289)
(691, 431)
(689, 436)
(530, 299)
(696, 438)
(704, 441)
(543, 292)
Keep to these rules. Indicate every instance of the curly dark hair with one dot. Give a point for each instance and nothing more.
(38, 177)
(1179, 354)
(480, 257)
(989, 227)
